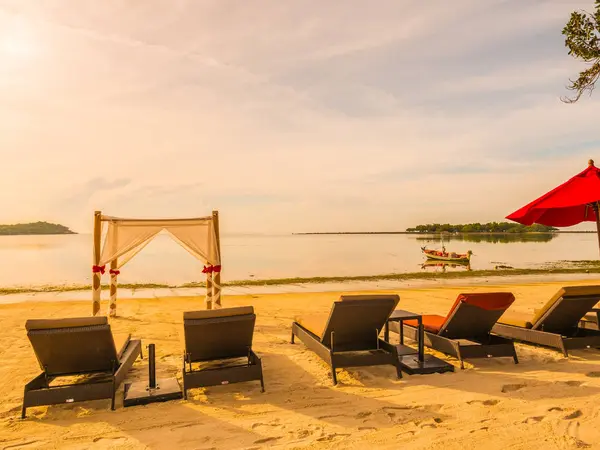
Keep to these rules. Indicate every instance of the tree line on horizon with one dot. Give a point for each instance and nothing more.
(490, 227)
(34, 228)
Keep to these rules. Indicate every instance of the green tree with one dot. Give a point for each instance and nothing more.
(582, 37)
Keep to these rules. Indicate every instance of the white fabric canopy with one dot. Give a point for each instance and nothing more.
(126, 237)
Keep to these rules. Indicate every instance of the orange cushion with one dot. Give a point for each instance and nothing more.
(431, 323)
(490, 301)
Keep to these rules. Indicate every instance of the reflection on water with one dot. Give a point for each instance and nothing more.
(492, 238)
(438, 266)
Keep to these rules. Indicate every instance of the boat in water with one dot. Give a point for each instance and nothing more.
(443, 255)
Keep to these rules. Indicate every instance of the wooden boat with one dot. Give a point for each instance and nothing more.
(443, 255)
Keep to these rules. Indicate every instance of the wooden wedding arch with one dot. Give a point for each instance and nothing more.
(126, 237)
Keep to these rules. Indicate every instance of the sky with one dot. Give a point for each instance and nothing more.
(287, 116)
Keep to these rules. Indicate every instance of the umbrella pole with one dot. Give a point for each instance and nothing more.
(595, 206)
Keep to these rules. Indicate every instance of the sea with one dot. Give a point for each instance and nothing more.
(32, 261)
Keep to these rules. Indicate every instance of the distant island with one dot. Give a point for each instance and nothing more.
(469, 228)
(490, 227)
(34, 228)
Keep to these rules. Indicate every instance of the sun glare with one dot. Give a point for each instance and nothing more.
(17, 41)
(17, 47)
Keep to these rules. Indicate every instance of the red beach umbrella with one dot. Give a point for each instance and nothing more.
(572, 202)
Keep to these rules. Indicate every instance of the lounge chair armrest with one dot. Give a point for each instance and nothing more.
(121, 342)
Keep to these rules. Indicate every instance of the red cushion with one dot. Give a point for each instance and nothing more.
(490, 301)
(431, 323)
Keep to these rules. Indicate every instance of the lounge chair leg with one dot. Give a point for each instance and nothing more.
(112, 400)
(399, 372)
(262, 383)
(515, 358)
(292, 340)
(183, 378)
(564, 350)
(23, 411)
(334, 376)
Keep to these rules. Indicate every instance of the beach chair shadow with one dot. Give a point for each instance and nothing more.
(557, 323)
(465, 332)
(298, 389)
(81, 348)
(349, 335)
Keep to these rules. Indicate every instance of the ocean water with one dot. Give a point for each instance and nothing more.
(67, 259)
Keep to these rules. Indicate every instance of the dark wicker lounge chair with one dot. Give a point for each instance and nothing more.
(591, 320)
(465, 331)
(72, 348)
(557, 323)
(218, 348)
(349, 335)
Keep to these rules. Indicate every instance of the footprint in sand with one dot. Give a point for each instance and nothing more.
(362, 415)
(27, 445)
(265, 440)
(512, 387)
(573, 415)
(484, 402)
(111, 440)
(332, 436)
(555, 408)
(572, 383)
(593, 374)
(534, 419)
(274, 424)
(573, 435)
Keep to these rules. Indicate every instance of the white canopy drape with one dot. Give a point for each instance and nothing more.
(127, 237)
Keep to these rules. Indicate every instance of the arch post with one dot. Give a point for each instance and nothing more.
(114, 273)
(217, 275)
(96, 270)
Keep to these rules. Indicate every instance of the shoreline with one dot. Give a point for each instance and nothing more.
(229, 290)
(585, 267)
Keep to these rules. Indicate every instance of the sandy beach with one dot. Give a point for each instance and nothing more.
(546, 401)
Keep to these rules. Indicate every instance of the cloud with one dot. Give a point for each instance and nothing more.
(285, 117)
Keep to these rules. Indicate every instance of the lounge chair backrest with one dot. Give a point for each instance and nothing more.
(356, 320)
(219, 333)
(474, 315)
(566, 308)
(73, 346)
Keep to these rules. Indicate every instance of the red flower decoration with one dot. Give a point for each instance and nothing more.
(98, 269)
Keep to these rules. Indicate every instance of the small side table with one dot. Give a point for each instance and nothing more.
(422, 364)
(400, 316)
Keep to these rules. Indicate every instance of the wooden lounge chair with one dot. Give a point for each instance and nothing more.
(557, 323)
(215, 342)
(349, 335)
(465, 331)
(78, 347)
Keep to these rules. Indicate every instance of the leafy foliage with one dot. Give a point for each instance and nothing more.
(34, 228)
(491, 227)
(582, 37)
